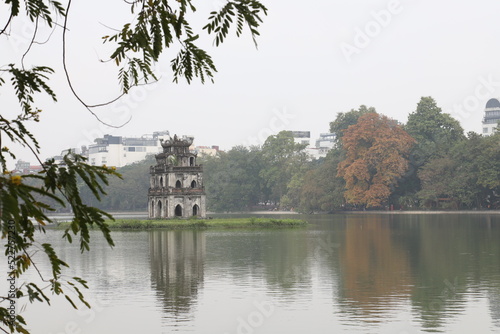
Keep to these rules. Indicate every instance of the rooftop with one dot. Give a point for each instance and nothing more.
(493, 103)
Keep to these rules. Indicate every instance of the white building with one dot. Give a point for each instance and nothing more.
(58, 159)
(302, 137)
(323, 144)
(119, 151)
(205, 150)
(491, 117)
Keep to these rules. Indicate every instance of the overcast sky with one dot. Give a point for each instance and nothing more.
(314, 59)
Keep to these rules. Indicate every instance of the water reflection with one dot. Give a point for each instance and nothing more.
(494, 305)
(288, 266)
(427, 269)
(177, 259)
(439, 264)
(279, 258)
(375, 268)
(358, 273)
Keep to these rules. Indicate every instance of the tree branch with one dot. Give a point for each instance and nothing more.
(34, 265)
(7, 24)
(88, 107)
(31, 43)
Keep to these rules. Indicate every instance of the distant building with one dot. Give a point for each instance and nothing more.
(322, 145)
(58, 159)
(302, 137)
(24, 167)
(176, 182)
(325, 143)
(119, 151)
(491, 117)
(205, 150)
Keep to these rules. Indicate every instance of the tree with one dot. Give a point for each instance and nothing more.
(344, 120)
(435, 132)
(489, 165)
(322, 190)
(232, 179)
(283, 159)
(158, 25)
(437, 177)
(468, 176)
(377, 150)
(127, 193)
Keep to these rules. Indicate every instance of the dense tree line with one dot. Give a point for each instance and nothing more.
(376, 163)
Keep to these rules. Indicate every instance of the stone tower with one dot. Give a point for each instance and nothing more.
(176, 182)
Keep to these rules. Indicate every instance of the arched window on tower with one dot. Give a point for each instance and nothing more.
(178, 210)
(158, 209)
(178, 184)
(191, 161)
(193, 184)
(161, 181)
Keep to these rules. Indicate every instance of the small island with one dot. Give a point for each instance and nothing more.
(223, 223)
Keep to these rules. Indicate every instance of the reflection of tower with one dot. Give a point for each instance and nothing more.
(176, 183)
(177, 267)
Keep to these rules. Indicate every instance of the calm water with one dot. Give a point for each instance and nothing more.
(369, 273)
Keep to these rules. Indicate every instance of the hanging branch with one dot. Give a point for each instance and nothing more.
(70, 84)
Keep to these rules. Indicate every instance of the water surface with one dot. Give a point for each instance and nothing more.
(360, 273)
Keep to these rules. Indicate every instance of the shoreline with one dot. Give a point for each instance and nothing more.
(143, 215)
(411, 212)
(415, 212)
(177, 224)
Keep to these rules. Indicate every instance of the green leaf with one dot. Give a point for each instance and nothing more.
(70, 301)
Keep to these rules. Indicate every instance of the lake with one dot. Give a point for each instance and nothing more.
(357, 273)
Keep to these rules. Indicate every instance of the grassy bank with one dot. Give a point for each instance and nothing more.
(201, 223)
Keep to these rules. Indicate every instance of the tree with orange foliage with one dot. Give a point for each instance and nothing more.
(377, 150)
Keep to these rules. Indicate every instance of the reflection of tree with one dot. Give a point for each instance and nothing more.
(279, 256)
(374, 266)
(494, 300)
(491, 246)
(452, 255)
(288, 264)
(177, 267)
(279, 260)
(443, 247)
